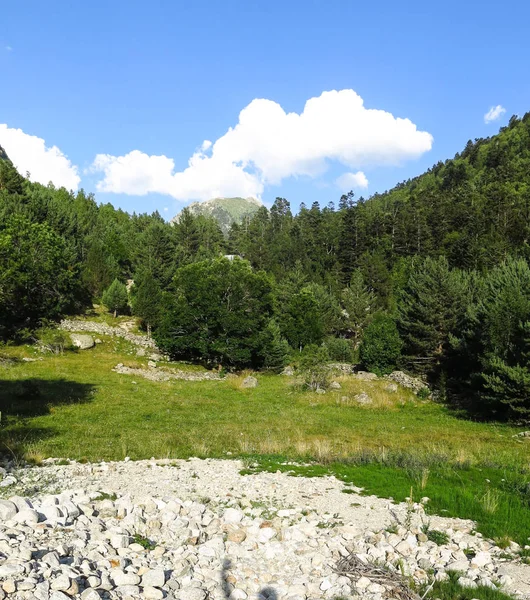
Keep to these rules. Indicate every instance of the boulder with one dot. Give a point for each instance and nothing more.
(335, 385)
(288, 371)
(249, 382)
(362, 398)
(365, 376)
(407, 381)
(82, 341)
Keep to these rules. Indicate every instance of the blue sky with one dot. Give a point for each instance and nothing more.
(107, 79)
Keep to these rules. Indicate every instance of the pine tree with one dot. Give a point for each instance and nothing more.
(358, 303)
(147, 301)
(431, 304)
(115, 297)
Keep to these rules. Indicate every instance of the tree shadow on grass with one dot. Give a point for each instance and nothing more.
(23, 399)
(34, 397)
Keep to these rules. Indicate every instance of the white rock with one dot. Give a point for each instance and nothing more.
(154, 578)
(232, 515)
(11, 570)
(27, 516)
(90, 594)
(8, 510)
(466, 582)
(152, 593)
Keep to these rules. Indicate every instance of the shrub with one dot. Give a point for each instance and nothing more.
(381, 345)
(339, 349)
(314, 368)
(54, 340)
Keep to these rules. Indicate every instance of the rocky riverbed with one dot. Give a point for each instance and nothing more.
(199, 530)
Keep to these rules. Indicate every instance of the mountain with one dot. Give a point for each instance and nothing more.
(3, 154)
(224, 210)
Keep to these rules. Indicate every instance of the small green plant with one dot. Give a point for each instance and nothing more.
(440, 538)
(490, 501)
(423, 393)
(393, 528)
(524, 555)
(106, 496)
(469, 552)
(144, 542)
(63, 462)
(503, 542)
(452, 590)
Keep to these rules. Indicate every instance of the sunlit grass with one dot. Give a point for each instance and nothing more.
(74, 406)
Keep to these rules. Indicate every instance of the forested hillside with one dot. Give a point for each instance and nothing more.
(431, 276)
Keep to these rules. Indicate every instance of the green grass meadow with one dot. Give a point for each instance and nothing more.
(74, 406)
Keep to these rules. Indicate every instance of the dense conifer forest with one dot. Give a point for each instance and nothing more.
(431, 277)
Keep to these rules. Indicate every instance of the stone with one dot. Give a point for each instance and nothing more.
(59, 596)
(151, 364)
(466, 582)
(9, 586)
(407, 381)
(90, 594)
(237, 536)
(365, 376)
(288, 371)
(154, 578)
(233, 515)
(335, 385)
(82, 341)
(62, 583)
(11, 570)
(249, 382)
(362, 398)
(7, 481)
(8, 510)
(152, 593)
(391, 388)
(123, 578)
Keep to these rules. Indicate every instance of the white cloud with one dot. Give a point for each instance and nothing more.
(45, 164)
(9, 48)
(348, 181)
(268, 145)
(494, 113)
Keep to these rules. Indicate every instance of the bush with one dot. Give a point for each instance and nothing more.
(54, 340)
(381, 345)
(313, 366)
(339, 349)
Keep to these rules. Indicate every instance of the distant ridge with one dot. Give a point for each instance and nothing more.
(224, 210)
(3, 154)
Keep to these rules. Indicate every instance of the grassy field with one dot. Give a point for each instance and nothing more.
(74, 406)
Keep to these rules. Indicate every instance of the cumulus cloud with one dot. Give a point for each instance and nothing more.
(348, 181)
(44, 163)
(268, 145)
(494, 113)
